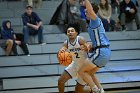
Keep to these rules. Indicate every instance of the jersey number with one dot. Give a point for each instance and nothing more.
(77, 56)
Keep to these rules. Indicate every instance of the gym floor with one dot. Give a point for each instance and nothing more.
(124, 91)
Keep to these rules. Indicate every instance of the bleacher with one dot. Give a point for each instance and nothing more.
(39, 72)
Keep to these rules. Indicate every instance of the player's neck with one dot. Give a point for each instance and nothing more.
(72, 40)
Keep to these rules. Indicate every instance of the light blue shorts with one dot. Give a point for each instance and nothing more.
(100, 56)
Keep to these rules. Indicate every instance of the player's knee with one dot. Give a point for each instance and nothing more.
(93, 71)
(80, 72)
(79, 88)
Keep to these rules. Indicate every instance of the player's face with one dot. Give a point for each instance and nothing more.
(71, 33)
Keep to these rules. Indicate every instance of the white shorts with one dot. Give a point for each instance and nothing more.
(80, 81)
(72, 70)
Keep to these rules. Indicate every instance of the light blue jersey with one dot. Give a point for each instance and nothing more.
(97, 33)
(100, 42)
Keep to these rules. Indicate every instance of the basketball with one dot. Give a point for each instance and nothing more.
(64, 58)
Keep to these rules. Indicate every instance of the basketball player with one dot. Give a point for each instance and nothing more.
(75, 45)
(101, 53)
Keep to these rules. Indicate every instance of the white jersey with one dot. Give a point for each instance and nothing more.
(77, 54)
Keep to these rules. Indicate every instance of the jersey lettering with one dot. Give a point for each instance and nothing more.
(77, 56)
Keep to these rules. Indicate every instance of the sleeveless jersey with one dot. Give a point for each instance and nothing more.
(77, 54)
(97, 33)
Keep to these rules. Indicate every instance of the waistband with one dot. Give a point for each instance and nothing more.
(102, 46)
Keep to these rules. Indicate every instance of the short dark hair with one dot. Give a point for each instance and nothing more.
(76, 26)
(29, 6)
(95, 7)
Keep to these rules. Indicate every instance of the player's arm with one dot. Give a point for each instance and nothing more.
(90, 10)
(84, 44)
(64, 47)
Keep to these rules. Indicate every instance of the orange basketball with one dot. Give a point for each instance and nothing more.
(64, 58)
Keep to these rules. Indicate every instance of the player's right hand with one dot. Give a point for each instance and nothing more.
(63, 49)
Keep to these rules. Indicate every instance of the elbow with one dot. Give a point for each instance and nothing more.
(92, 16)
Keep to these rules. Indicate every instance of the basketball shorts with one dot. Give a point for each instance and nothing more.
(72, 70)
(100, 57)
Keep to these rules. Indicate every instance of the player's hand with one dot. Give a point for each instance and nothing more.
(62, 50)
(89, 47)
(84, 48)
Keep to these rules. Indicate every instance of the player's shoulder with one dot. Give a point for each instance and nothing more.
(80, 37)
(81, 40)
(65, 43)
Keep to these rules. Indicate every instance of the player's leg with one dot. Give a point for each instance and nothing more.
(70, 72)
(79, 88)
(100, 61)
(88, 66)
(62, 80)
(95, 80)
(97, 83)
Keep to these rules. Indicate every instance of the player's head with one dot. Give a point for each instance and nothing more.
(72, 30)
(95, 7)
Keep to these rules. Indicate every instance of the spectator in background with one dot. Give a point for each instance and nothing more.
(32, 25)
(8, 34)
(82, 9)
(95, 2)
(115, 6)
(67, 13)
(6, 45)
(135, 3)
(128, 12)
(105, 12)
(35, 3)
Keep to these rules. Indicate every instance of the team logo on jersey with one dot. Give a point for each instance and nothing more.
(75, 50)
